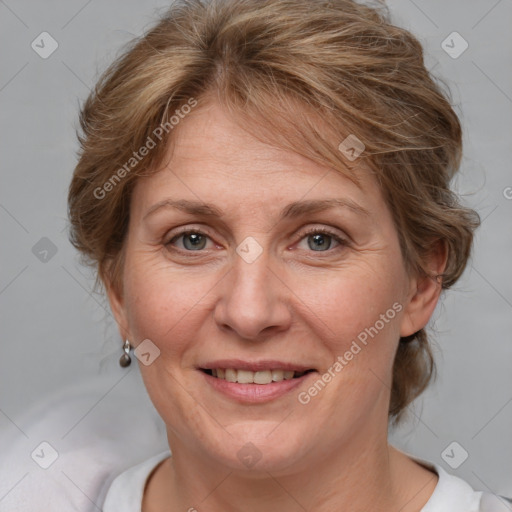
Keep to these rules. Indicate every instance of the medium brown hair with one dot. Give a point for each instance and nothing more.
(304, 74)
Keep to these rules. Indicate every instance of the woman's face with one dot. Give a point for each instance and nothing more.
(269, 278)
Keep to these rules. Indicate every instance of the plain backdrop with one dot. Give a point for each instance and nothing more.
(58, 337)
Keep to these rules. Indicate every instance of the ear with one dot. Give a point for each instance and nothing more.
(117, 305)
(424, 292)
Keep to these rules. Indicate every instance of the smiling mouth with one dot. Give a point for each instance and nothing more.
(249, 377)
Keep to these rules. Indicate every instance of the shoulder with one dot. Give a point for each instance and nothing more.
(453, 494)
(65, 452)
(127, 490)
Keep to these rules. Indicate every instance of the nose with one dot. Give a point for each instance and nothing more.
(254, 301)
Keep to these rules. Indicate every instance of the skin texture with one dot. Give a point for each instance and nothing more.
(293, 303)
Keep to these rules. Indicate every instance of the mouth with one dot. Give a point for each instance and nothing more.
(255, 382)
(261, 377)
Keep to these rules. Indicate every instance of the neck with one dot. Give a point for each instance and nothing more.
(366, 474)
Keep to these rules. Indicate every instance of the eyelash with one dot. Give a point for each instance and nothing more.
(311, 231)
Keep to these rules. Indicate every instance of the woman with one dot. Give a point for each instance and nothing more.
(264, 188)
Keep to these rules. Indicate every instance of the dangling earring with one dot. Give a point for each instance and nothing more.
(125, 360)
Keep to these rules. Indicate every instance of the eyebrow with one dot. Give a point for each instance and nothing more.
(292, 210)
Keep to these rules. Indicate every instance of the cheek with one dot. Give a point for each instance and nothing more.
(162, 304)
(347, 303)
(358, 321)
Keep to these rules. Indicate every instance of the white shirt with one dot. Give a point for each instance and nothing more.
(452, 494)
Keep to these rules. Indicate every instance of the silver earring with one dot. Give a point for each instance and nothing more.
(125, 360)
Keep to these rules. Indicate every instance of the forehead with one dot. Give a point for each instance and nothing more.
(213, 159)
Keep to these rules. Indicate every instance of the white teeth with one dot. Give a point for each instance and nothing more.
(264, 377)
(245, 377)
(277, 375)
(260, 377)
(231, 375)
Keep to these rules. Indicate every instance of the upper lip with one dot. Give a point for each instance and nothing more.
(254, 366)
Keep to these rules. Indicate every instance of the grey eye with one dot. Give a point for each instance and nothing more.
(193, 241)
(321, 242)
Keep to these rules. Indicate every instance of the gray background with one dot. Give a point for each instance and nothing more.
(58, 337)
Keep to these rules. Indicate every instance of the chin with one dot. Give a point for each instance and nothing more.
(259, 447)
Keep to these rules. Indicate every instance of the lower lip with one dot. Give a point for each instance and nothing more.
(255, 393)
